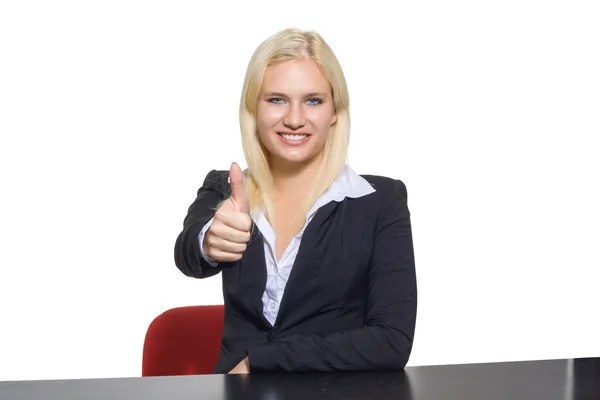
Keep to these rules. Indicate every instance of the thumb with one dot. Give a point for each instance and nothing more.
(238, 191)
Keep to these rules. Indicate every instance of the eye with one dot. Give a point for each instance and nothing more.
(276, 100)
(314, 101)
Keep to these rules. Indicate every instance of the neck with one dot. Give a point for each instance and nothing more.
(290, 179)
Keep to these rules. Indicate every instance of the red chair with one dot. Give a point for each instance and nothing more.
(183, 341)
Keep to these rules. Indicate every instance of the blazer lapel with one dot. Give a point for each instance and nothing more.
(254, 273)
(308, 262)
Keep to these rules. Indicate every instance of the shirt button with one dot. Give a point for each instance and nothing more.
(273, 305)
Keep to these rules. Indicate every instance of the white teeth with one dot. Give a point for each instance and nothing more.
(293, 137)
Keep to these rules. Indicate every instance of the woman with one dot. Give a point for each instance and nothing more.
(316, 261)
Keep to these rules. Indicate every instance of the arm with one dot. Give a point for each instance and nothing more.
(201, 235)
(189, 256)
(385, 342)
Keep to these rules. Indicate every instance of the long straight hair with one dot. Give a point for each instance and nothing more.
(292, 44)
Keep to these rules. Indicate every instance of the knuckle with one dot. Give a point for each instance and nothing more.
(219, 218)
(221, 214)
(234, 256)
(210, 239)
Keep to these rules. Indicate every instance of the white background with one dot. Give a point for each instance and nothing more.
(113, 112)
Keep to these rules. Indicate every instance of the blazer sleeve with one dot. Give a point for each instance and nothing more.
(188, 254)
(201, 236)
(385, 342)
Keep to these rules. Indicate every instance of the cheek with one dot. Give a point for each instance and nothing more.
(267, 117)
(322, 121)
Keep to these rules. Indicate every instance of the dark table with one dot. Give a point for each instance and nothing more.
(572, 379)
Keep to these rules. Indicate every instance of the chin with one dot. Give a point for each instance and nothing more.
(296, 158)
(293, 160)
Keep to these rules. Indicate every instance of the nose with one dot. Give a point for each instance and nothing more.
(294, 118)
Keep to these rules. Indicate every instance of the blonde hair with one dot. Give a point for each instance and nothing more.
(292, 44)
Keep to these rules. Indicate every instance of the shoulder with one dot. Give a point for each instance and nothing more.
(217, 181)
(390, 200)
(386, 186)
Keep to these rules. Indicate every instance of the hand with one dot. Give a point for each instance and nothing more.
(242, 368)
(229, 233)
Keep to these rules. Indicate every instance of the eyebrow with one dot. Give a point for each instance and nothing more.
(313, 94)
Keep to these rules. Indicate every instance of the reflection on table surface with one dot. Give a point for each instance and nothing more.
(569, 379)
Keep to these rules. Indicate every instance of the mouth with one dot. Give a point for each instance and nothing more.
(294, 139)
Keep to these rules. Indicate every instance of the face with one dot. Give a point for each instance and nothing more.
(295, 112)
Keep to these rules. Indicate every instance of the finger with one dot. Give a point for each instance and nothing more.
(222, 256)
(230, 234)
(235, 219)
(238, 191)
(217, 243)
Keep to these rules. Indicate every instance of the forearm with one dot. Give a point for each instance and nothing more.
(369, 348)
(188, 254)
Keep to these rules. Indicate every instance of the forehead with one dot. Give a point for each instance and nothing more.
(294, 76)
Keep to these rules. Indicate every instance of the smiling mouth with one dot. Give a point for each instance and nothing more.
(294, 136)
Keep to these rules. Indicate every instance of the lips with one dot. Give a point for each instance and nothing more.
(298, 138)
(293, 133)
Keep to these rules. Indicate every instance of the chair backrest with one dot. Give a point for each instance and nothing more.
(183, 341)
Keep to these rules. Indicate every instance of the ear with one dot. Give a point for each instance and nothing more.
(334, 119)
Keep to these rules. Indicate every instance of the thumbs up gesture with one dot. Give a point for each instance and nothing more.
(229, 233)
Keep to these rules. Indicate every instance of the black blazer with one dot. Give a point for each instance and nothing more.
(350, 302)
